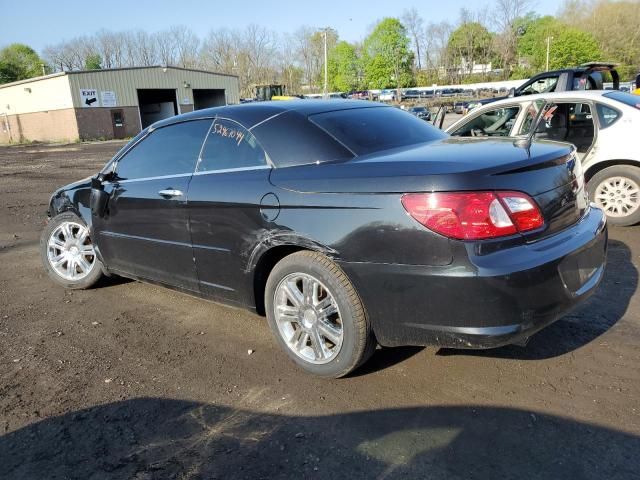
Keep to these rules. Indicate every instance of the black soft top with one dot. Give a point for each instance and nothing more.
(251, 114)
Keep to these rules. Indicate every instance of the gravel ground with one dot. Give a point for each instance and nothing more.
(133, 381)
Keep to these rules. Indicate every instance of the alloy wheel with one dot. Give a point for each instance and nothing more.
(308, 318)
(70, 251)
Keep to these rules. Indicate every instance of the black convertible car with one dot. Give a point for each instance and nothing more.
(349, 224)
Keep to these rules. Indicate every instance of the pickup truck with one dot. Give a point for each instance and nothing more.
(588, 76)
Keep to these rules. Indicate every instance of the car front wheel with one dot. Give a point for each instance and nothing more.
(616, 190)
(316, 315)
(67, 252)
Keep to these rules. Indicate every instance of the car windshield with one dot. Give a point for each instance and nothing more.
(418, 109)
(369, 130)
(623, 97)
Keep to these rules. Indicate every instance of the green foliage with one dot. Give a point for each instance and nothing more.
(520, 72)
(387, 58)
(470, 41)
(343, 68)
(316, 48)
(427, 77)
(569, 46)
(18, 62)
(93, 62)
(614, 25)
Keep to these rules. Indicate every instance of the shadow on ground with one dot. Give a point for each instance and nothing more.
(580, 327)
(152, 438)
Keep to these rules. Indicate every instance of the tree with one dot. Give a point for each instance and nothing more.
(509, 16)
(310, 53)
(386, 55)
(469, 45)
(186, 45)
(253, 54)
(18, 62)
(568, 45)
(343, 68)
(413, 21)
(436, 37)
(614, 26)
(93, 62)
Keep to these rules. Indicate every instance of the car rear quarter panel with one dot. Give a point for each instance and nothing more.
(620, 140)
(361, 228)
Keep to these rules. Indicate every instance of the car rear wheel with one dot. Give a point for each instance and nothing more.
(67, 252)
(317, 316)
(617, 191)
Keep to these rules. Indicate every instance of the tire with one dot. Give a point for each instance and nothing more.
(78, 276)
(603, 183)
(295, 330)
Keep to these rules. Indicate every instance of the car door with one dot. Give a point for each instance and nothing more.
(145, 229)
(230, 208)
(528, 118)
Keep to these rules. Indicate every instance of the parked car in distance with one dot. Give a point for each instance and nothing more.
(389, 95)
(460, 107)
(416, 94)
(410, 94)
(359, 95)
(603, 125)
(446, 92)
(421, 112)
(348, 223)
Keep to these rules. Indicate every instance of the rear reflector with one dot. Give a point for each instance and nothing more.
(474, 215)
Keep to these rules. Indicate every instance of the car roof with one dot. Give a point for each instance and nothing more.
(572, 94)
(251, 114)
(581, 68)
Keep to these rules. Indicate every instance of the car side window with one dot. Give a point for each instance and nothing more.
(230, 146)
(170, 150)
(529, 117)
(607, 115)
(542, 85)
(493, 123)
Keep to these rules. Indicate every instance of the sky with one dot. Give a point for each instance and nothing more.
(39, 23)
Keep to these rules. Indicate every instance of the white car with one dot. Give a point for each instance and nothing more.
(388, 95)
(603, 125)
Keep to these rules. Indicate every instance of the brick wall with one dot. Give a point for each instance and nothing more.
(51, 126)
(95, 123)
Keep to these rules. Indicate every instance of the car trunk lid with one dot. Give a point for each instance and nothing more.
(549, 172)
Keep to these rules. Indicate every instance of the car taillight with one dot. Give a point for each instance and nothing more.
(474, 215)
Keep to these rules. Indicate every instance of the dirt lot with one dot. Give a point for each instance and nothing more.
(134, 381)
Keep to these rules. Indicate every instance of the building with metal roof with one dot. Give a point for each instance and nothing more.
(106, 104)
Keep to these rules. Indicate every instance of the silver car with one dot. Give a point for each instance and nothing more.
(604, 126)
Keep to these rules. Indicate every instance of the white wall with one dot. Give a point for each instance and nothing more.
(48, 93)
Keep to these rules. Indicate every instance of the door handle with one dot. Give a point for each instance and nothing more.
(170, 192)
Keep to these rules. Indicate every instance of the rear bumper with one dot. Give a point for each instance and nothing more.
(484, 300)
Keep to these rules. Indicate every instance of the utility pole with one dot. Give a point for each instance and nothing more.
(548, 51)
(325, 90)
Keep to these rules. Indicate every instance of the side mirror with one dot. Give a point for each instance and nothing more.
(96, 182)
(99, 198)
(512, 92)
